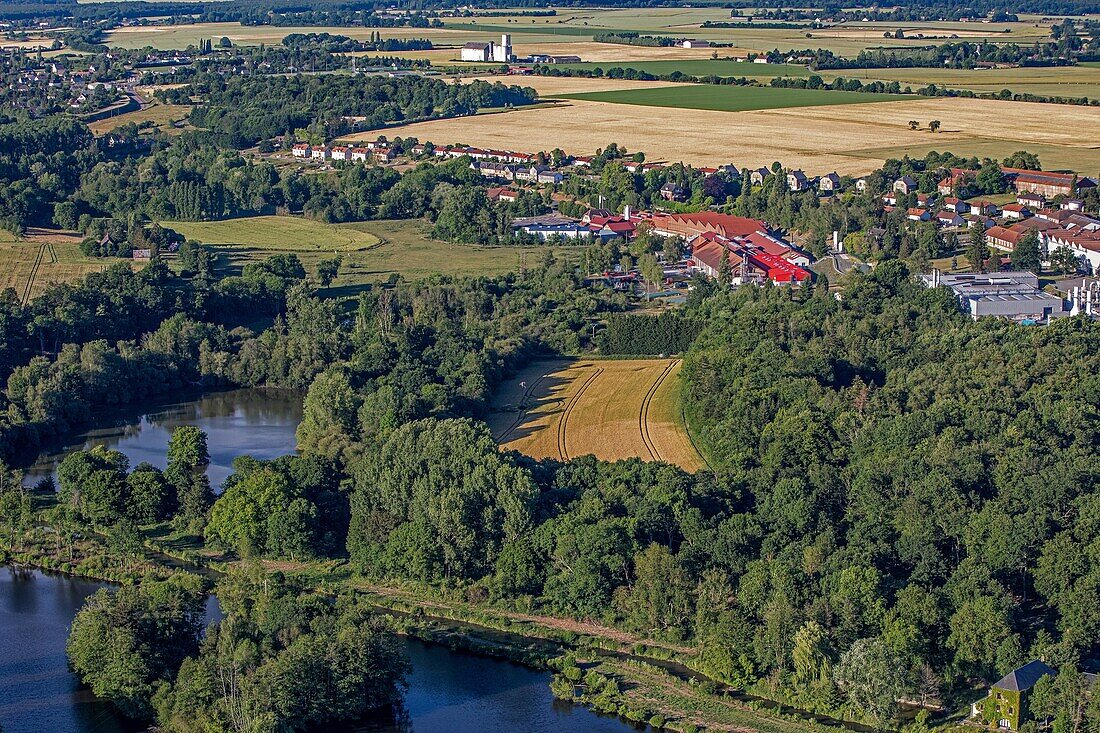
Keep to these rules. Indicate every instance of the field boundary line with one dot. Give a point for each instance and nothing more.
(643, 410)
(562, 449)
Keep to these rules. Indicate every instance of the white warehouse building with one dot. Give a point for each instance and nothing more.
(500, 53)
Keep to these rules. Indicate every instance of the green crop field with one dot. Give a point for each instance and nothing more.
(698, 67)
(369, 251)
(731, 98)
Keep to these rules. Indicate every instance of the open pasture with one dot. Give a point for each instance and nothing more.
(613, 409)
(731, 98)
(848, 138)
(369, 251)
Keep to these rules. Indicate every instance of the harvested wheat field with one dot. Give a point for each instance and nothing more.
(613, 409)
(42, 257)
(851, 139)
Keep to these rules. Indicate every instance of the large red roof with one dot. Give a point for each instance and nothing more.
(725, 224)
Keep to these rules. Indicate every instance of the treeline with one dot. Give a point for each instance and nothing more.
(243, 111)
(630, 334)
(335, 43)
(281, 658)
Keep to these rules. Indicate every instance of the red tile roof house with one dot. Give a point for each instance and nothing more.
(1003, 238)
(301, 150)
(955, 180)
(948, 218)
(890, 199)
(1015, 211)
(340, 152)
(957, 205)
(500, 193)
(917, 214)
(924, 200)
(320, 153)
(984, 207)
(360, 155)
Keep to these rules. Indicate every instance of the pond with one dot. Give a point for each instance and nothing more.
(452, 692)
(256, 422)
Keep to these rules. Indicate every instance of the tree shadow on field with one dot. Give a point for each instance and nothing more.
(531, 407)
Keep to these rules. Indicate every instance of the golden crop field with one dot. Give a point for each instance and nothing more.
(43, 257)
(614, 409)
(852, 138)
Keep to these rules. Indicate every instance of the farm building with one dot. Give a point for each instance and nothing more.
(695, 43)
(1047, 183)
(1012, 295)
(483, 52)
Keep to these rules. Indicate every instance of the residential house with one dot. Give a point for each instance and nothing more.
(1085, 243)
(956, 180)
(1033, 201)
(905, 185)
(496, 170)
(988, 208)
(340, 152)
(360, 155)
(301, 150)
(829, 183)
(797, 181)
(949, 219)
(1072, 204)
(890, 199)
(1003, 238)
(956, 205)
(546, 175)
(500, 193)
(917, 214)
(861, 184)
(924, 200)
(1006, 705)
(672, 192)
(321, 153)
(1015, 212)
(757, 175)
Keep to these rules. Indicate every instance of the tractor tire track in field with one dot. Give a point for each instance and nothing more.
(562, 450)
(643, 411)
(28, 288)
(522, 410)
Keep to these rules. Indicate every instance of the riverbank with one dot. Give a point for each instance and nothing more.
(654, 682)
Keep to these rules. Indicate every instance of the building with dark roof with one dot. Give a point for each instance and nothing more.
(1006, 705)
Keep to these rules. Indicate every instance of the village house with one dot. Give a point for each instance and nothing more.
(956, 180)
(988, 208)
(797, 181)
(757, 176)
(321, 153)
(829, 183)
(360, 155)
(672, 192)
(1033, 201)
(495, 170)
(500, 193)
(905, 185)
(1015, 212)
(301, 150)
(1072, 204)
(546, 175)
(917, 214)
(890, 199)
(924, 200)
(949, 219)
(384, 155)
(1006, 705)
(956, 205)
(340, 152)
(861, 185)
(583, 161)
(1003, 238)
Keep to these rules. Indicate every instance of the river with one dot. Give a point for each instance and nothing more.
(452, 692)
(449, 692)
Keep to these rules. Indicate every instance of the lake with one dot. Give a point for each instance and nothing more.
(449, 692)
(256, 422)
(452, 692)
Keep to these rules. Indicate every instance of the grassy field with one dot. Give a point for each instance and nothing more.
(161, 115)
(731, 98)
(613, 408)
(369, 251)
(42, 257)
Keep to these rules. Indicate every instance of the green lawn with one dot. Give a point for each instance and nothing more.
(698, 67)
(370, 251)
(731, 98)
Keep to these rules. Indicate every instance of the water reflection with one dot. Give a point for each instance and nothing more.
(257, 422)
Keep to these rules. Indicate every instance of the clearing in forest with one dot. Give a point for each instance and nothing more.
(612, 409)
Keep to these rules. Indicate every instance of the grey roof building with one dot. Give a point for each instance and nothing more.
(1025, 677)
(1012, 295)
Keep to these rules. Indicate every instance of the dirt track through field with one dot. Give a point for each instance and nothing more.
(613, 409)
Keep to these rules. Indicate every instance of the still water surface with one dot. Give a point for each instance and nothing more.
(449, 692)
(256, 422)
